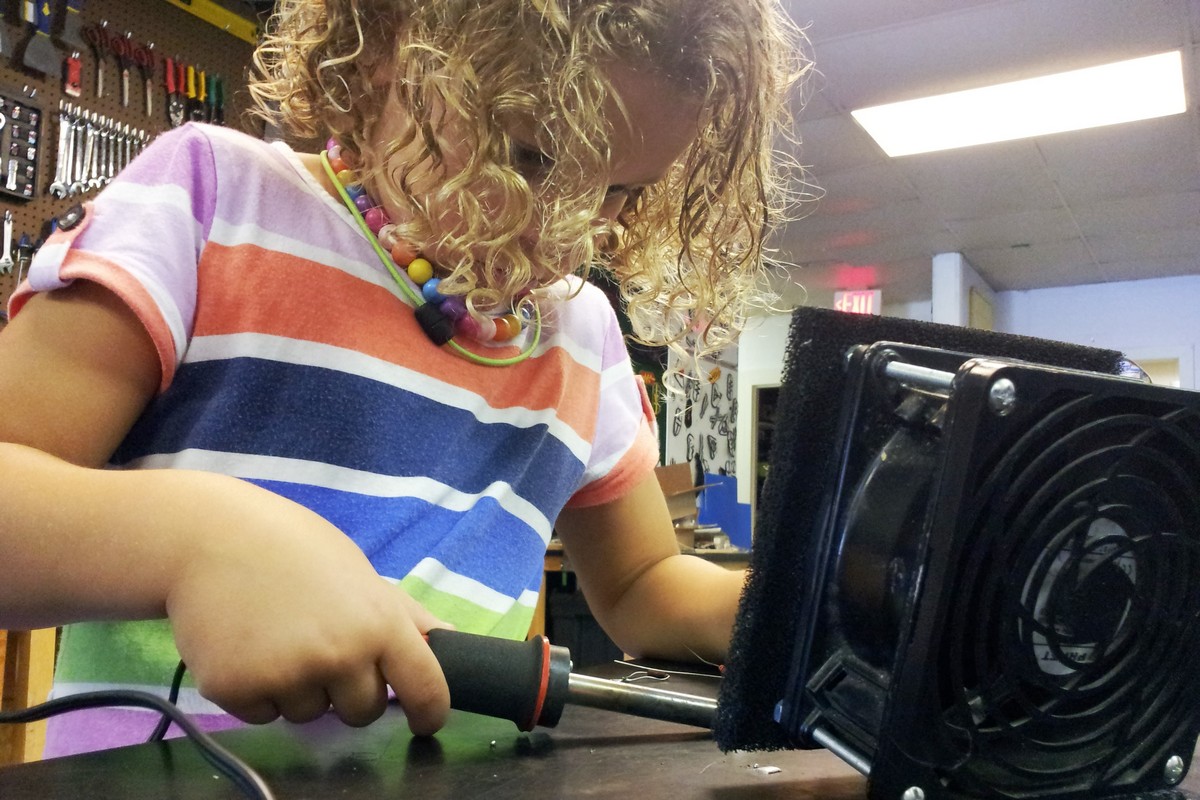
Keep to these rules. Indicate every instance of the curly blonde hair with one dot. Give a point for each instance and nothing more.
(687, 254)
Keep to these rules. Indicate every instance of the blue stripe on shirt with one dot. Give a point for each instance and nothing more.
(396, 533)
(281, 409)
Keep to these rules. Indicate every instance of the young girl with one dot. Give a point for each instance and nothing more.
(251, 381)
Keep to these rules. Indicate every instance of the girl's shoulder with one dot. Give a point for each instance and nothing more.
(222, 138)
(236, 169)
(222, 150)
(582, 312)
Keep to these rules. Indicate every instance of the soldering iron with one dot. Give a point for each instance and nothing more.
(530, 682)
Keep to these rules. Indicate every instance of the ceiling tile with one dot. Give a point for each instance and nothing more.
(1041, 264)
(973, 182)
(1008, 230)
(1133, 214)
(1115, 203)
(1129, 160)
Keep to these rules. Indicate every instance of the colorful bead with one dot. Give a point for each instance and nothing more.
(387, 236)
(419, 270)
(404, 253)
(451, 312)
(487, 329)
(429, 290)
(454, 307)
(468, 326)
(507, 326)
(375, 218)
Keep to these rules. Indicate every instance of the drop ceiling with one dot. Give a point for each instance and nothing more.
(1118, 203)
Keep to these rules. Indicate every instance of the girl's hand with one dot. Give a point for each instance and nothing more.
(293, 629)
(275, 611)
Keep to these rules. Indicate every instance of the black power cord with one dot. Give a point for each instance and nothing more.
(225, 762)
(164, 722)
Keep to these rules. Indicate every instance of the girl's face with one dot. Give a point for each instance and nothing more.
(651, 124)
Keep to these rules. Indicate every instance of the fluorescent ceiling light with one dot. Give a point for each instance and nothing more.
(1141, 88)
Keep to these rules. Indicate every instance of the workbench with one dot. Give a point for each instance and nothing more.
(591, 753)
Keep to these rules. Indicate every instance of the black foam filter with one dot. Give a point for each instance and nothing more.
(806, 422)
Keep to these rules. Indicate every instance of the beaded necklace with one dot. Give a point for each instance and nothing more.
(442, 317)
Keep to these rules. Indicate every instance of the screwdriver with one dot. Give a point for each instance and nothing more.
(530, 682)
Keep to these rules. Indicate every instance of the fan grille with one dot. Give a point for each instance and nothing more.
(1067, 658)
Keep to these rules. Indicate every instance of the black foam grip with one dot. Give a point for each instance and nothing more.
(502, 678)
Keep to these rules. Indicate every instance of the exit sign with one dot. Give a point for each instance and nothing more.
(859, 301)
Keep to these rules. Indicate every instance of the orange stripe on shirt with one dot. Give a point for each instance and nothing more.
(630, 470)
(239, 292)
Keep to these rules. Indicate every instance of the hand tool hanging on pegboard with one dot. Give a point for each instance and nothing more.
(92, 149)
(194, 108)
(201, 112)
(72, 26)
(40, 53)
(210, 98)
(64, 155)
(6, 259)
(25, 251)
(72, 75)
(122, 47)
(174, 81)
(148, 64)
(218, 100)
(97, 37)
(5, 47)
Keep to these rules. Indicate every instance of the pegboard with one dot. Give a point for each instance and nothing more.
(175, 33)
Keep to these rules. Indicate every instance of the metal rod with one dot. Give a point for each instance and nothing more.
(640, 701)
(921, 377)
(842, 751)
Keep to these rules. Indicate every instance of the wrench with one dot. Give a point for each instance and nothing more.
(78, 135)
(6, 261)
(114, 143)
(99, 136)
(89, 152)
(127, 150)
(58, 188)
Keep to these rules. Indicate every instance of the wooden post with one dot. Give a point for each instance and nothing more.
(27, 658)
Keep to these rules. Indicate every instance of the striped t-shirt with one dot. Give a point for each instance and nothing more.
(291, 360)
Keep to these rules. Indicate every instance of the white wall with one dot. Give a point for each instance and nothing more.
(1147, 319)
(921, 310)
(761, 350)
(953, 279)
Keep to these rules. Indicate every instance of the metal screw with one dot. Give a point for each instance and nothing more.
(1002, 397)
(1173, 771)
(914, 793)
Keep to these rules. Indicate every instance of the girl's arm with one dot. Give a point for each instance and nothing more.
(275, 611)
(652, 600)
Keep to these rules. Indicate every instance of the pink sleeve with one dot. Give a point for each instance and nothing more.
(625, 447)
